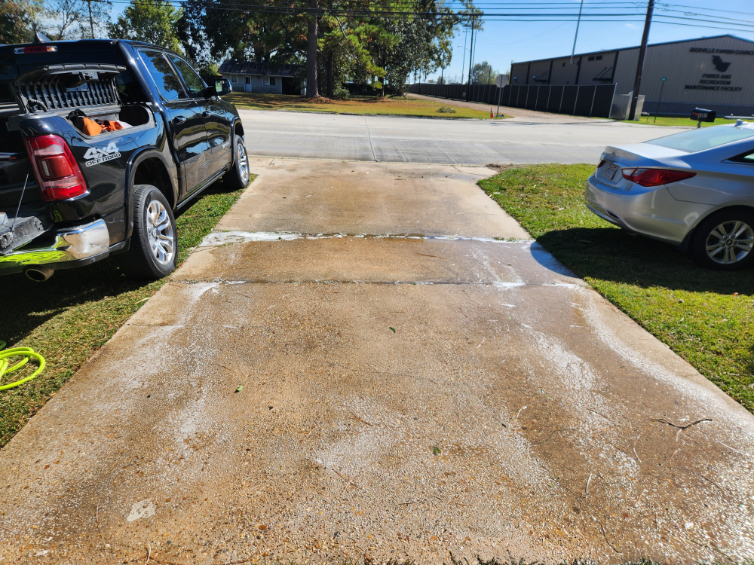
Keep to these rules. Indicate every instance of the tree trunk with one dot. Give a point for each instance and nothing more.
(312, 81)
(330, 78)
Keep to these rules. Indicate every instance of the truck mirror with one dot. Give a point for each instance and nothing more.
(222, 87)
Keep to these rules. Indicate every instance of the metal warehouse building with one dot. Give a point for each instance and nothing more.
(711, 72)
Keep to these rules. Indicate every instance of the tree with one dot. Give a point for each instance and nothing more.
(422, 44)
(210, 32)
(153, 21)
(312, 82)
(17, 18)
(483, 73)
(73, 19)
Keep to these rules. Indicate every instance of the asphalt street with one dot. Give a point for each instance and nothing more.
(536, 138)
(372, 362)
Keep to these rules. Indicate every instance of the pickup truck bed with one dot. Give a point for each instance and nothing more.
(68, 198)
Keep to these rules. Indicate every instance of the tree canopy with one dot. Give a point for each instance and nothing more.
(153, 21)
(380, 43)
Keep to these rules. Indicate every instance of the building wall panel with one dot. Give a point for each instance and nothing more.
(714, 72)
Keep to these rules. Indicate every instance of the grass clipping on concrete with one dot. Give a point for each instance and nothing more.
(367, 105)
(71, 316)
(706, 317)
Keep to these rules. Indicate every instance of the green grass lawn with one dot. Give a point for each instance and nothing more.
(661, 121)
(69, 317)
(706, 317)
(369, 105)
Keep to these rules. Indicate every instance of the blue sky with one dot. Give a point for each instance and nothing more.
(502, 41)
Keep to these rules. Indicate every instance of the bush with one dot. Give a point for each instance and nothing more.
(341, 92)
(446, 110)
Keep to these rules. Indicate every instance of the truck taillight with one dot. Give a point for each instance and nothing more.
(655, 177)
(57, 172)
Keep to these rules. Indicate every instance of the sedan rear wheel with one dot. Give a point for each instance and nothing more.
(725, 241)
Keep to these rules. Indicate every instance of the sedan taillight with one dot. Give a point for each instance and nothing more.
(655, 177)
(57, 171)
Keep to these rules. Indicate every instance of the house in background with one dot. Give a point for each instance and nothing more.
(268, 78)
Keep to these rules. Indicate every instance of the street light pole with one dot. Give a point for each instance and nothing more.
(640, 64)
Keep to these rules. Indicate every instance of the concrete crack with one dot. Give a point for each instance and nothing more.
(369, 137)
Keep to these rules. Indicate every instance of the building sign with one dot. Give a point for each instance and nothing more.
(720, 80)
(720, 51)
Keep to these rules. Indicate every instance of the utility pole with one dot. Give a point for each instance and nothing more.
(471, 55)
(91, 20)
(463, 59)
(575, 37)
(640, 64)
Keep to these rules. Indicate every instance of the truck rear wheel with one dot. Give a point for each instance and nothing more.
(238, 176)
(154, 243)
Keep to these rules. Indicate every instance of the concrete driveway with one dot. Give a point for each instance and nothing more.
(536, 138)
(398, 376)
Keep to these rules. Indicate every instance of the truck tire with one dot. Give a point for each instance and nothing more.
(154, 242)
(725, 240)
(238, 176)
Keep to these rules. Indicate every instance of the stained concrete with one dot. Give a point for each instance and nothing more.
(397, 398)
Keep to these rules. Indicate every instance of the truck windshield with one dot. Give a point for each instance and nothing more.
(704, 138)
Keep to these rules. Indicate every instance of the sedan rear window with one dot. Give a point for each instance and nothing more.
(704, 138)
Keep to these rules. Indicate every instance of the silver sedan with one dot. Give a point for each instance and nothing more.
(694, 189)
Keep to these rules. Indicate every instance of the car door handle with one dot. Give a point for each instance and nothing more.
(206, 114)
(179, 120)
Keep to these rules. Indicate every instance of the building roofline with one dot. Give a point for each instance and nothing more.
(634, 47)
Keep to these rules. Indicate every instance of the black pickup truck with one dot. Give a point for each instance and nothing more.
(70, 196)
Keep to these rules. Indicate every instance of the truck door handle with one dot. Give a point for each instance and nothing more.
(179, 120)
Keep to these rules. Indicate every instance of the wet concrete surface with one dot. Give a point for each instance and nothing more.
(534, 137)
(347, 396)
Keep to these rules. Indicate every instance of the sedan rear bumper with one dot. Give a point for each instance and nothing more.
(652, 212)
(70, 247)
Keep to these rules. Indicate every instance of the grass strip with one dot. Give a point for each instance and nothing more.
(674, 122)
(71, 316)
(367, 105)
(706, 317)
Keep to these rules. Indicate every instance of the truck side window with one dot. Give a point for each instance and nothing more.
(193, 81)
(164, 77)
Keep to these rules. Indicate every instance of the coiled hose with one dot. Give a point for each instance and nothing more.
(27, 353)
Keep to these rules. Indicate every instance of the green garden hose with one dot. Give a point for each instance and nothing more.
(27, 353)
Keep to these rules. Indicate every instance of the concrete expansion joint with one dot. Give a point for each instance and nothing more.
(502, 285)
(222, 238)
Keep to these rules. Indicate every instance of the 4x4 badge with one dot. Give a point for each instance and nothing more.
(95, 155)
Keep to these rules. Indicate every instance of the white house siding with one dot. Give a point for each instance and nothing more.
(691, 75)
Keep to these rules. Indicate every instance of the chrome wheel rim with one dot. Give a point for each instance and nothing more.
(243, 162)
(730, 242)
(160, 232)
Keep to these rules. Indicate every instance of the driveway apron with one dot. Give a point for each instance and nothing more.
(373, 361)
